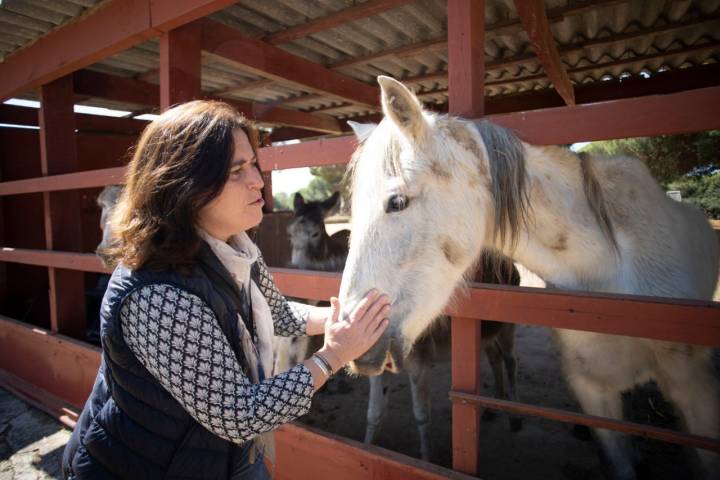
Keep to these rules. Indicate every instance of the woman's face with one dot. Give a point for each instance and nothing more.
(239, 205)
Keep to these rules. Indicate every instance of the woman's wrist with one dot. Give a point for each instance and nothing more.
(335, 360)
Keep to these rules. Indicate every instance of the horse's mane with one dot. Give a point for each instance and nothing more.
(508, 181)
(596, 200)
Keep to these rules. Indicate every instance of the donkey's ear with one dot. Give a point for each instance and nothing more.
(329, 203)
(298, 201)
(362, 130)
(402, 106)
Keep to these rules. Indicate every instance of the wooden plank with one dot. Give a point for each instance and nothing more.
(683, 112)
(39, 398)
(466, 69)
(647, 431)
(180, 66)
(81, 262)
(55, 363)
(347, 15)
(317, 152)
(271, 62)
(118, 25)
(69, 181)
(466, 356)
(306, 452)
(58, 155)
(533, 17)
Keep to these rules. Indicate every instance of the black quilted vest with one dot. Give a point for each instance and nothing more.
(131, 427)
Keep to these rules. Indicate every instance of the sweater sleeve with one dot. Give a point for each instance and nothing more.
(176, 336)
(289, 318)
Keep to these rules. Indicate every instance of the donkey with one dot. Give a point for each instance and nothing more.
(313, 249)
(430, 192)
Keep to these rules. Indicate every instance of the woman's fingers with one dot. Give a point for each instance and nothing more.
(334, 309)
(372, 311)
(363, 305)
(378, 331)
(375, 315)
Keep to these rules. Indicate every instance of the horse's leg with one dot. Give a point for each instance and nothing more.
(686, 377)
(495, 358)
(598, 399)
(506, 342)
(377, 404)
(419, 369)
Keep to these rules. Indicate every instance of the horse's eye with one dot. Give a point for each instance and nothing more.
(397, 203)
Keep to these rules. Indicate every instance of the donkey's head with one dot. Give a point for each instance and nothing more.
(422, 209)
(307, 230)
(107, 200)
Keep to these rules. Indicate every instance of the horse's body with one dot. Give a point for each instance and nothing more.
(313, 249)
(433, 191)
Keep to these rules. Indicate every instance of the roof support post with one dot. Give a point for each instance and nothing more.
(180, 65)
(466, 73)
(58, 155)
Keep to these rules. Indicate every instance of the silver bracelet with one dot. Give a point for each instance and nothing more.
(321, 365)
(325, 361)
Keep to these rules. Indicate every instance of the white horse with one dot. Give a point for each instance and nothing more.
(313, 249)
(430, 192)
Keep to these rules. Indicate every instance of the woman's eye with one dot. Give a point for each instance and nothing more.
(397, 203)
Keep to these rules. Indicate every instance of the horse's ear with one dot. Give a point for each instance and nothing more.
(402, 106)
(362, 130)
(298, 201)
(329, 203)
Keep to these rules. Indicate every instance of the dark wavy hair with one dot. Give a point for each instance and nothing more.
(181, 162)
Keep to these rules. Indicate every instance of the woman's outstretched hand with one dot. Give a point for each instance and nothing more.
(347, 339)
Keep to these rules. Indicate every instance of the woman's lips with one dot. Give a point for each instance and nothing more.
(259, 202)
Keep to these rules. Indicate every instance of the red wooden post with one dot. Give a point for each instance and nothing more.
(180, 65)
(466, 72)
(466, 57)
(58, 155)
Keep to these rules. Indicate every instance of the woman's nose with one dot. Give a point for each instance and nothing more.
(255, 180)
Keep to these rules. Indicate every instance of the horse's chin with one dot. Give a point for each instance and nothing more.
(389, 365)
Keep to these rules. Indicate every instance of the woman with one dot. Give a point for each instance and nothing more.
(185, 387)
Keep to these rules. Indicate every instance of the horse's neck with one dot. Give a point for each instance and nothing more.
(560, 241)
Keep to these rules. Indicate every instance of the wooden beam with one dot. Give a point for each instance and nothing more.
(684, 112)
(180, 65)
(269, 61)
(317, 152)
(136, 91)
(347, 15)
(69, 181)
(533, 17)
(13, 114)
(117, 26)
(81, 262)
(466, 72)
(58, 155)
(244, 87)
(117, 88)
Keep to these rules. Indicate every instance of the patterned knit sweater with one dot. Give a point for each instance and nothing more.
(176, 336)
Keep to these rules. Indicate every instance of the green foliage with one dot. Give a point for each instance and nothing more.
(667, 156)
(327, 180)
(703, 191)
(670, 158)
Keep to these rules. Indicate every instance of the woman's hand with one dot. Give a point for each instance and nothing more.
(347, 339)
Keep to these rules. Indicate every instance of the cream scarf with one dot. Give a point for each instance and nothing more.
(238, 256)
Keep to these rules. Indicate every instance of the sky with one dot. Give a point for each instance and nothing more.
(288, 181)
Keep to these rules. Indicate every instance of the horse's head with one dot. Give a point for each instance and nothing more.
(422, 207)
(107, 200)
(307, 229)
